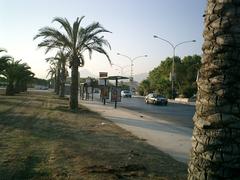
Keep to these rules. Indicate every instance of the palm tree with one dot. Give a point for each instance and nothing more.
(52, 73)
(3, 60)
(60, 61)
(56, 65)
(215, 150)
(23, 76)
(62, 57)
(11, 75)
(75, 40)
(18, 75)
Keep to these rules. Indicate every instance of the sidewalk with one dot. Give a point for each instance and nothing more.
(169, 138)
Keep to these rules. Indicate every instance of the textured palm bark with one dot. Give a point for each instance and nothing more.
(58, 80)
(54, 83)
(74, 87)
(10, 88)
(63, 80)
(215, 150)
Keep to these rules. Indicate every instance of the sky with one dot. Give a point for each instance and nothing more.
(132, 23)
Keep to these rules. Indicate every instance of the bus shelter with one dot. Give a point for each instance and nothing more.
(115, 91)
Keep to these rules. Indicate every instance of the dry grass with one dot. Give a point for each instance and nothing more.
(41, 139)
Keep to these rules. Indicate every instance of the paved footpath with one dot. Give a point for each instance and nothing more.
(167, 137)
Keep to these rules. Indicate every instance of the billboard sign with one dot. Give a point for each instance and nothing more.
(104, 93)
(101, 82)
(116, 94)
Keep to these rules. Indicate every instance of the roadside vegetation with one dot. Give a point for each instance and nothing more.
(15, 74)
(158, 79)
(41, 139)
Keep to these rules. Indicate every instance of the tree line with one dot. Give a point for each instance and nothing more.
(15, 73)
(159, 79)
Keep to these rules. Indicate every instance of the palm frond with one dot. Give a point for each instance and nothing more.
(90, 36)
(74, 40)
(52, 38)
(3, 50)
(65, 24)
(102, 51)
(6, 58)
(76, 30)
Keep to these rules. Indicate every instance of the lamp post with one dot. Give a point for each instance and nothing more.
(173, 75)
(121, 67)
(131, 60)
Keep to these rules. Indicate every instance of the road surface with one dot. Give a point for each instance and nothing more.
(180, 114)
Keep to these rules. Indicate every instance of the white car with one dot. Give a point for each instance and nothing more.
(154, 98)
(126, 93)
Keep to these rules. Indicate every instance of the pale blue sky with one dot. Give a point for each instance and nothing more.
(133, 23)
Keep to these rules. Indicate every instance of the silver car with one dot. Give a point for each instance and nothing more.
(154, 98)
(126, 93)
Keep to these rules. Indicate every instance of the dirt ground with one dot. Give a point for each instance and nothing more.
(40, 138)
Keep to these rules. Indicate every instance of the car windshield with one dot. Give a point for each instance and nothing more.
(158, 96)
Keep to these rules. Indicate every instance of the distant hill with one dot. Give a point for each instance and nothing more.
(140, 77)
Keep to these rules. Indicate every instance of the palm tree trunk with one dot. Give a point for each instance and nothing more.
(55, 83)
(17, 87)
(10, 89)
(63, 79)
(74, 87)
(58, 81)
(215, 150)
(24, 86)
(62, 89)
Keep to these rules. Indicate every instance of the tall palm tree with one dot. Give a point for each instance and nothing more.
(60, 62)
(52, 72)
(215, 150)
(56, 65)
(62, 57)
(75, 40)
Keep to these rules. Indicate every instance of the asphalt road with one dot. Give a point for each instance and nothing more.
(180, 114)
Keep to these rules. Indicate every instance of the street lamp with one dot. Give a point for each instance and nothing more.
(121, 67)
(173, 75)
(131, 59)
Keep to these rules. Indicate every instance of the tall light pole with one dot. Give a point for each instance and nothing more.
(131, 60)
(173, 75)
(121, 67)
